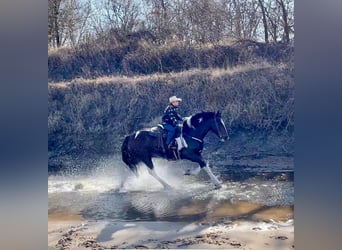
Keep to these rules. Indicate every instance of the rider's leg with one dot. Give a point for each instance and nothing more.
(170, 134)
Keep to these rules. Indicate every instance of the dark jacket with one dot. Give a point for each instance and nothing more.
(171, 115)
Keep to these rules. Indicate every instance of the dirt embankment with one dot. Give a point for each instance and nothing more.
(93, 116)
(89, 117)
(142, 56)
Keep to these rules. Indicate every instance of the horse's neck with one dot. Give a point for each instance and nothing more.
(200, 131)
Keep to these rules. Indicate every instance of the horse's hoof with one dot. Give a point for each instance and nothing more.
(193, 172)
(187, 172)
(217, 186)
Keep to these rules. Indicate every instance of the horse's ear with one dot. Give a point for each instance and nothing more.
(218, 114)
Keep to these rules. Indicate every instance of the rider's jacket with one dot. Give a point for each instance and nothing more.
(171, 115)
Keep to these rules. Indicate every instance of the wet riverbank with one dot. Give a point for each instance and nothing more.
(107, 234)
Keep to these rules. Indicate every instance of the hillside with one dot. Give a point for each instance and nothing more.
(141, 56)
(90, 116)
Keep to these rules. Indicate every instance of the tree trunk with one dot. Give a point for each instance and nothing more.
(237, 19)
(264, 20)
(54, 29)
(285, 20)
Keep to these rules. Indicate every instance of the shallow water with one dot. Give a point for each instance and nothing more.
(246, 193)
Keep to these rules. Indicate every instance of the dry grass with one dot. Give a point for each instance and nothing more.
(94, 114)
(136, 79)
(101, 91)
(145, 57)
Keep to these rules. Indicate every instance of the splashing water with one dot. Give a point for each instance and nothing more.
(111, 191)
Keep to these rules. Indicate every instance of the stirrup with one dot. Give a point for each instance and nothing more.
(171, 155)
(181, 143)
(172, 145)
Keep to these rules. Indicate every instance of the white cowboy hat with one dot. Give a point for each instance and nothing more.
(174, 99)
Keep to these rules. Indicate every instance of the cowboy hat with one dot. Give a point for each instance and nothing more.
(174, 99)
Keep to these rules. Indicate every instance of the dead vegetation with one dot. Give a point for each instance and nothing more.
(142, 56)
(93, 115)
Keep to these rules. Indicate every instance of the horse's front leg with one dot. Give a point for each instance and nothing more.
(213, 178)
(202, 165)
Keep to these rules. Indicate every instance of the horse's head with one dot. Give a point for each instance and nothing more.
(200, 124)
(218, 127)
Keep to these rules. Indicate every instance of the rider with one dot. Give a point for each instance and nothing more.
(171, 118)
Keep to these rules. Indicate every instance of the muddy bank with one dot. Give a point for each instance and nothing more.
(240, 225)
(161, 235)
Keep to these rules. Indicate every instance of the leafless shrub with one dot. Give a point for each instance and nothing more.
(136, 54)
(95, 114)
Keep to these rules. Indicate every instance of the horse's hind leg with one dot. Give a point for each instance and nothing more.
(128, 174)
(152, 172)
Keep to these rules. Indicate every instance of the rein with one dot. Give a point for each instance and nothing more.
(217, 128)
(194, 138)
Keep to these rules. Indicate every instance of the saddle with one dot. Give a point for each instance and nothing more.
(171, 151)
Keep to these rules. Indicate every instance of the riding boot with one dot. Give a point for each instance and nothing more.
(170, 151)
(172, 145)
(170, 155)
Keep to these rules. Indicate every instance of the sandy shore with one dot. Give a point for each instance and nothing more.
(75, 233)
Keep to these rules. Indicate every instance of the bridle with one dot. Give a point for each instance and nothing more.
(217, 128)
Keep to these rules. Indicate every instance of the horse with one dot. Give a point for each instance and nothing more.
(145, 144)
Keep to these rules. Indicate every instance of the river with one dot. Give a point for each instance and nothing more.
(96, 194)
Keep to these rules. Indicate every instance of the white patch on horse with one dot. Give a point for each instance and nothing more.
(188, 122)
(200, 120)
(136, 134)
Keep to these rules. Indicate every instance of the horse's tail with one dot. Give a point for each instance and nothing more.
(127, 155)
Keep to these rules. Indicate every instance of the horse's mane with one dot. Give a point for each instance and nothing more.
(196, 119)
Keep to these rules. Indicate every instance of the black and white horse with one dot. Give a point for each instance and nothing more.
(143, 145)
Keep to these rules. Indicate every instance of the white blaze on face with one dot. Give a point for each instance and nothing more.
(223, 125)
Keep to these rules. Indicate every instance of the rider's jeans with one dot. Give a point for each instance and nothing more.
(171, 132)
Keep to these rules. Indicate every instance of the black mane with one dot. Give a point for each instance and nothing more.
(196, 119)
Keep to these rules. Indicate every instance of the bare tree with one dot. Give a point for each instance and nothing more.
(205, 20)
(71, 22)
(67, 21)
(242, 18)
(122, 15)
(280, 19)
(54, 38)
(283, 5)
(264, 19)
(160, 18)
(273, 17)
